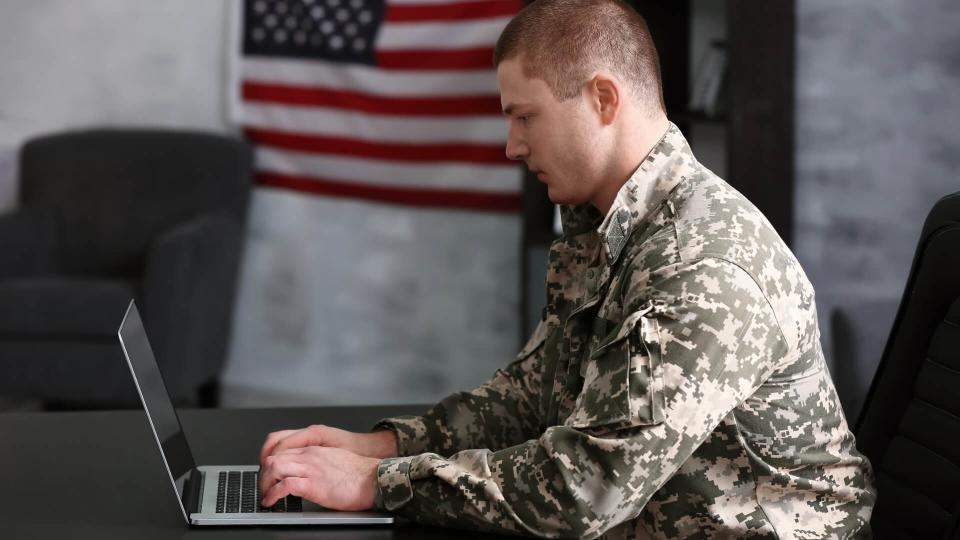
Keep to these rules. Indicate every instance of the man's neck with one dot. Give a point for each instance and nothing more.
(634, 149)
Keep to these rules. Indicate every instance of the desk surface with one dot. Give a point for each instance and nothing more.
(103, 477)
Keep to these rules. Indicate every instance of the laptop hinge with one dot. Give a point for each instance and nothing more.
(192, 492)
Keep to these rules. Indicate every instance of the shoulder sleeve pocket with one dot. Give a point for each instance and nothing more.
(621, 379)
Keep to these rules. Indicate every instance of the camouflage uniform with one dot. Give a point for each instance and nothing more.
(674, 388)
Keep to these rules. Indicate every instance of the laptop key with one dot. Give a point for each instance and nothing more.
(248, 490)
(221, 491)
(232, 492)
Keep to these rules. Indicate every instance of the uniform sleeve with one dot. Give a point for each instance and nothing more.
(501, 412)
(696, 342)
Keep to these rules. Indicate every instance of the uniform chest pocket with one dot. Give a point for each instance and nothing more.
(621, 379)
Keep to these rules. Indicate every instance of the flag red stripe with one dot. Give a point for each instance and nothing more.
(423, 197)
(451, 12)
(486, 154)
(433, 59)
(368, 103)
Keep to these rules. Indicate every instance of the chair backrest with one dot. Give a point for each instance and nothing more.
(910, 424)
(114, 190)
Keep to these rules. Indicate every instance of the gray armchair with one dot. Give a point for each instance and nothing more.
(110, 215)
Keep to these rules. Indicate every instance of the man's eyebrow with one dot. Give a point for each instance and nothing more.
(510, 109)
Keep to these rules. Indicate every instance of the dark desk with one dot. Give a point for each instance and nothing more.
(99, 474)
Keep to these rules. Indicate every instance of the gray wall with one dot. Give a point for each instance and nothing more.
(878, 111)
(65, 64)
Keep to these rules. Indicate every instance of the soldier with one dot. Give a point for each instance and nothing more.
(675, 386)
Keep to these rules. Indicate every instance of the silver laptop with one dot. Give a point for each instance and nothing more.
(212, 494)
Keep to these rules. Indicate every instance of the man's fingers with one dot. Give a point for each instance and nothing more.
(277, 467)
(290, 451)
(291, 485)
(310, 436)
(272, 440)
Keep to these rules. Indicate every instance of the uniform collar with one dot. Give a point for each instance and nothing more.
(665, 166)
(668, 163)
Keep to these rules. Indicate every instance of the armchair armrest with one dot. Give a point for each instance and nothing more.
(188, 294)
(27, 242)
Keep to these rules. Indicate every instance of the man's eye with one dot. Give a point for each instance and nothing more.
(523, 119)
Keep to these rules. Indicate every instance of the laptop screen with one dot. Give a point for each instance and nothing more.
(156, 401)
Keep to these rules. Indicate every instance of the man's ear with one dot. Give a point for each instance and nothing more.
(605, 94)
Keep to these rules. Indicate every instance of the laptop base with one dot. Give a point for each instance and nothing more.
(312, 514)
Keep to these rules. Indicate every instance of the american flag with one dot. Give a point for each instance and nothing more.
(386, 100)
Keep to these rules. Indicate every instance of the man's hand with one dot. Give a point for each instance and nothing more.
(331, 477)
(379, 444)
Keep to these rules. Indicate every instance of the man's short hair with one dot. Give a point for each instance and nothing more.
(563, 42)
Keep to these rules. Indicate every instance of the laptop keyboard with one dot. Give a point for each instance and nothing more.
(239, 492)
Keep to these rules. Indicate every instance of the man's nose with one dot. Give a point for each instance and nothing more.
(516, 148)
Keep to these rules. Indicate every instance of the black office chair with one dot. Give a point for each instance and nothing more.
(105, 216)
(910, 424)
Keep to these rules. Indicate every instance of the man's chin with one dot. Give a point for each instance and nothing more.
(559, 198)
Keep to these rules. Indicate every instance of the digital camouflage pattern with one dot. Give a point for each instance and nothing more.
(674, 388)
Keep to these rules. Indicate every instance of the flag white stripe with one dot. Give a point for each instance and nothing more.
(334, 122)
(368, 79)
(440, 35)
(488, 178)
